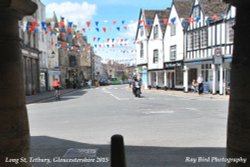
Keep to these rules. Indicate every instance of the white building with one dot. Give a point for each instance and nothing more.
(40, 16)
(207, 44)
(100, 72)
(156, 49)
(174, 44)
(146, 20)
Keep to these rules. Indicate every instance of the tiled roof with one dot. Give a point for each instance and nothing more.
(213, 7)
(162, 14)
(183, 7)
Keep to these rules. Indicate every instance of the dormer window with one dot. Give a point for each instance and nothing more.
(142, 32)
(141, 50)
(173, 29)
(156, 31)
(196, 12)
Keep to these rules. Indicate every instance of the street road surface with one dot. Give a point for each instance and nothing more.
(152, 125)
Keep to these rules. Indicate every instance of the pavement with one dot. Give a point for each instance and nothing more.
(45, 95)
(185, 94)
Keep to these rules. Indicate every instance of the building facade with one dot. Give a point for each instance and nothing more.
(207, 45)
(174, 49)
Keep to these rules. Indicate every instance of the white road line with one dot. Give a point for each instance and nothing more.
(118, 98)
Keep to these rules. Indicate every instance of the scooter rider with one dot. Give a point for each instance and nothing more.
(136, 85)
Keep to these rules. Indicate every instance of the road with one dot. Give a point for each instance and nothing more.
(155, 123)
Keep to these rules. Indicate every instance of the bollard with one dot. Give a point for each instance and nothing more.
(118, 158)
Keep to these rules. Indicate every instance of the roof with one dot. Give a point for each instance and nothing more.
(213, 7)
(150, 15)
(162, 14)
(183, 7)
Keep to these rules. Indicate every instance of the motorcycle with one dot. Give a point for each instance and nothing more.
(137, 90)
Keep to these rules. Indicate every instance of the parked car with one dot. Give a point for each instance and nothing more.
(103, 82)
(115, 81)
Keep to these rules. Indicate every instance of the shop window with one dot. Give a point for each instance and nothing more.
(192, 74)
(179, 76)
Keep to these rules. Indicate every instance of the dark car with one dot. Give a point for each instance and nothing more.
(103, 82)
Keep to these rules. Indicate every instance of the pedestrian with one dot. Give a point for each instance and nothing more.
(200, 84)
(194, 85)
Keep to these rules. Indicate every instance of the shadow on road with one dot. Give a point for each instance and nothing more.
(65, 97)
(45, 147)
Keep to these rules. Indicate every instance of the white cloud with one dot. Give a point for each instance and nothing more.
(131, 31)
(75, 12)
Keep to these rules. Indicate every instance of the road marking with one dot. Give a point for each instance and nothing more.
(193, 109)
(159, 112)
(118, 98)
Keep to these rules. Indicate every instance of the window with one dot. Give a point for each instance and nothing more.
(190, 41)
(155, 56)
(230, 30)
(203, 35)
(196, 39)
(196, 12)
(179, 76)
(156, 32)
(141, 50)
(142, 32)
(173, 29)
(173, 52)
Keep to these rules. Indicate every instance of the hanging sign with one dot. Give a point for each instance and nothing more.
(217, 56)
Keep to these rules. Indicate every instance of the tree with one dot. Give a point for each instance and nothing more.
(14, 129)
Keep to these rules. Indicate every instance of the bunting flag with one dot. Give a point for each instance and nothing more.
(191, 20)
(70, 24)
(184, 23)
(88, 23)
(173, 20)
(148, 21)
(97, 29)
(123, 21)
(114, 22)
(197, 19)
(83, 29)
(209, 19)
(215, 18)
(43, 23)
(118, 28)
(97, 23)
(104, 29)
(165, 21)
(61, 24)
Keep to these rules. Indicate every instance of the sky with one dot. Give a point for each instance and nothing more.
(118, 17)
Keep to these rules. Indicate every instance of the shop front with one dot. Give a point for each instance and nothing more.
(173, 75)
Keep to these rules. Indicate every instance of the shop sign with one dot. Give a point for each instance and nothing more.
(200, 62)
(172, 65)
(217, 56)
(54, 73)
